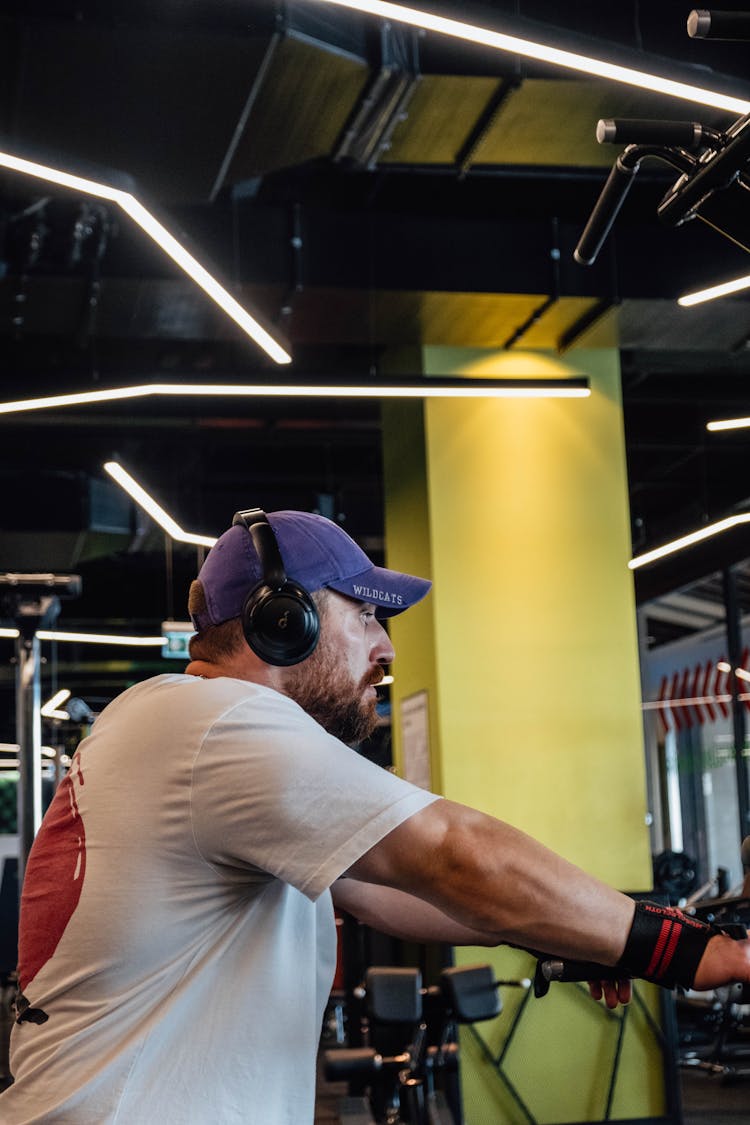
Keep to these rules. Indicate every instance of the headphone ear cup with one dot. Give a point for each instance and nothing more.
(281, 625)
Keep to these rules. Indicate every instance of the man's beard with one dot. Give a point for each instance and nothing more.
(326, 692)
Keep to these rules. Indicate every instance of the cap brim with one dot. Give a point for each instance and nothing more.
(388, 590)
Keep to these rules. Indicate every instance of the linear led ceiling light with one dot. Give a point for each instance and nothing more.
(574, 387)
(471, 33)
(689, 540)
(728, 424)
(149, 505)
(50, 710)
(90, 638)
(161, 236)
(12, 748)
(740, 673)
(723, 289)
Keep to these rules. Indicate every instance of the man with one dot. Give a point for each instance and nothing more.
(177, 937)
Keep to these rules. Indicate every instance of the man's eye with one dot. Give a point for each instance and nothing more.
(368, 615)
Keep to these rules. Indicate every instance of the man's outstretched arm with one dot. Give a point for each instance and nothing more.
(496, 881)
(404, 916)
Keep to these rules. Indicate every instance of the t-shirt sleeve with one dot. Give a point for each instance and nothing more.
(274, 794)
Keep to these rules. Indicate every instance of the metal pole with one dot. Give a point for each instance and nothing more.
(32, 602)
(168, 558)
(734, 646)
(29, 738)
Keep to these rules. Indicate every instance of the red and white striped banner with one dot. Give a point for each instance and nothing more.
(695, 695)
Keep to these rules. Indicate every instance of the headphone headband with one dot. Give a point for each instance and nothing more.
(279, 618)
(265, 543)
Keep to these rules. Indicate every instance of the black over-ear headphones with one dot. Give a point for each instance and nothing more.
(279, 618)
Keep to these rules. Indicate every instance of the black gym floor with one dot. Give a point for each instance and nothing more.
(706, 1099)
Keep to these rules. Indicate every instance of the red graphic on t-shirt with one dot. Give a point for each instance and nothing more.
(54, 878)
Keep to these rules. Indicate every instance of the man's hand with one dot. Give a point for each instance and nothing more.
(614, 991)
(724, 961)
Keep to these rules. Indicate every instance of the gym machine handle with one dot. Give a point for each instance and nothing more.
(556, 969)
(628, 131)
(702, 24)
(606, 209)
(342, 1063)
(712, 174)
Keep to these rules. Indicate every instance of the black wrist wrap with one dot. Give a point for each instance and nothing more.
(664, 945)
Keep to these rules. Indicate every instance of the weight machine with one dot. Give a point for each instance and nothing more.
(713, 166)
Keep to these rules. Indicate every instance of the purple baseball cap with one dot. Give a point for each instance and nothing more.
(316, 553)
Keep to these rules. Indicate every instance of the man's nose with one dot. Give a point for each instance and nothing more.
(382, 647)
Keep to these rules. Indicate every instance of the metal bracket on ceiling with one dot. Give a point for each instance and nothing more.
(554, 295)
(533, 318)
(385, 102)
(572, 334)
(252, 97)
(483, 124)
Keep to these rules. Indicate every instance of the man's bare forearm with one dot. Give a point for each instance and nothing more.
(403, 916)
(494, 880)
(499, 885)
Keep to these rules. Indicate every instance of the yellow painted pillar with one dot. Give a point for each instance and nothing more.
(526, 657)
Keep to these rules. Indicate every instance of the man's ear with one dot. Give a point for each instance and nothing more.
(196, 598)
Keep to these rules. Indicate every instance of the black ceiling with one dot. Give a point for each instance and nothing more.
(365, 189)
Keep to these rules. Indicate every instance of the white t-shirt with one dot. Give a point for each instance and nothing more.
(176, 927)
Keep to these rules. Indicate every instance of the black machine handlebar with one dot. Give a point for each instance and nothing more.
(626, 167)
(703, 24)
(343, 1063)
(605, 210)
(640, 131)
(557, 969)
